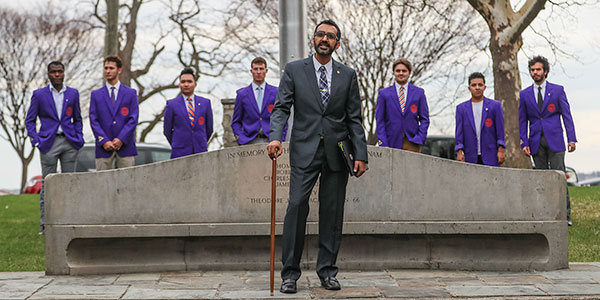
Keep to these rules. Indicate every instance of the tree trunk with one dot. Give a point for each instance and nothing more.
(111, 36)
(507, 84)
(25, 161)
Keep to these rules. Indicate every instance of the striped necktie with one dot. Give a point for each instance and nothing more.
(402, 98)
(323, 86)
(190, 110)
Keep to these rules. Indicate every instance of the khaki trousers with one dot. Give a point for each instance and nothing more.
(109, 162)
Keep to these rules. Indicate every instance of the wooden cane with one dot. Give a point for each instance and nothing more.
(273, 199)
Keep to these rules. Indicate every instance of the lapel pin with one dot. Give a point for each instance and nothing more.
(66, 100)
(338, 71)
(486, 109)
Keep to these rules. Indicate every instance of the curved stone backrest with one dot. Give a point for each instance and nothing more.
(234, 185)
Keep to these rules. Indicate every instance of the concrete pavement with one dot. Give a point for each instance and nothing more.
(580, 281)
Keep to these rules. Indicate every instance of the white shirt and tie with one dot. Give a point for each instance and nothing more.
(116, 90)
(259, 94)
(59, 98)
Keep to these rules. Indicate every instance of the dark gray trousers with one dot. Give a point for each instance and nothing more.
(548, 160)
(63, 151)
(332, 194)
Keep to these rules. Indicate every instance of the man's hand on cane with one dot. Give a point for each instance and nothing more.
(274, 149)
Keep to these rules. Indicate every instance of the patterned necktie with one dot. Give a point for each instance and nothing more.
(190, 110)
(402, 98)
(259, 98)
(540, 98)
(323, 88)
(112, 95)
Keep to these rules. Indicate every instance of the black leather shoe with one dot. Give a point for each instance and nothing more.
(288, 286)
(330, 283)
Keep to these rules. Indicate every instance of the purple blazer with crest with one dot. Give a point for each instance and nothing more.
(184, 138)
(393, 124)
(247, 120)
(43, 106)
(110, 122)
(554, 106)
(492, 131)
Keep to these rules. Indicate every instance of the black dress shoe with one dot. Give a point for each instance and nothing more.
(330, 283)
(288, 286)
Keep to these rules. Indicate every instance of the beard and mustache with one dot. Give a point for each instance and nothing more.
(329, 50)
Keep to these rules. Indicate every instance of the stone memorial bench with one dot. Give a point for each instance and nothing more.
(211, 211)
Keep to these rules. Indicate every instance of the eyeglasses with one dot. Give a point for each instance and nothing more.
(322, 34)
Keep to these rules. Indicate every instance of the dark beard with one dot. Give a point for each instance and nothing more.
(324, 53)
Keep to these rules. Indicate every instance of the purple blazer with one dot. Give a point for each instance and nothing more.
(554, 106)
(184, 138)
(110, 122)
(43, 106)
(392, 124)
(492, 131)
(247, 120)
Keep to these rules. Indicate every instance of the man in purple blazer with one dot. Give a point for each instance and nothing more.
(541, 106)
(188, 122)
(253, 106)
(114, 117)
(401, 113)
(60, 136)
(479, 127)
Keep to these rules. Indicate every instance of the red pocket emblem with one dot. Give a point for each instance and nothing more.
(551, 107)
(69, 111)
(201, 120)
(489, 122)
(124, 110)
(270, 108)
(413, 108)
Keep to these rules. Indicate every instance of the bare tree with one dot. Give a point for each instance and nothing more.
(439, 37)
(29, 42)
(191, 29)
(506, 25)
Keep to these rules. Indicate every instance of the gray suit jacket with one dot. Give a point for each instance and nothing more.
(341, 119)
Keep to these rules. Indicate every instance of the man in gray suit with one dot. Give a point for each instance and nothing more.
(327, 110)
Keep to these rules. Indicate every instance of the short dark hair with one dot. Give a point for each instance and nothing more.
(55, 63)
(115, 59)
(187, 71)
(476, 75)
(332, 23)
(258, 60)
(540, 59)
(403, 61)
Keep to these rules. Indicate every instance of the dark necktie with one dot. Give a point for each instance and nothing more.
(323, 86)
(112, 95)
(540, 98)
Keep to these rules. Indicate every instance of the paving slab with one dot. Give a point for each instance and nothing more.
(21, 289)
(515, 280)
(264, 294)
(160, 293)
(347, 293)
(415, 292)
(570, 289)
(483, 291)
(84, 280)
(80, 292)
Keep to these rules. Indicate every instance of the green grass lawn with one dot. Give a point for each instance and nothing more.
(584, 235)
(22, 249)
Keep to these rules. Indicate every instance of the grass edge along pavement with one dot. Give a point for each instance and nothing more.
(22, 249)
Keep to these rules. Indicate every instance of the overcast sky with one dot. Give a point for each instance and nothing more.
(580, 79)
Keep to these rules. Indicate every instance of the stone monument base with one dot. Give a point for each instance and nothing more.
(211, 212)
